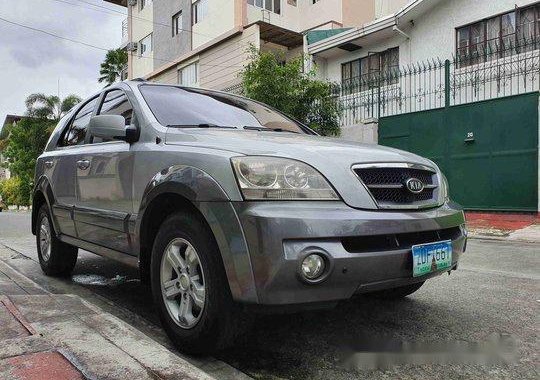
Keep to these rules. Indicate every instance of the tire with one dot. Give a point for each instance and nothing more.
(204, 329)
(55, 257)
(397, 293)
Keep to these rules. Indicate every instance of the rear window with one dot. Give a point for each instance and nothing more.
(183, 107)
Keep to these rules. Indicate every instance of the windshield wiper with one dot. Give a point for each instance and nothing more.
(266, 129)
(202, 125)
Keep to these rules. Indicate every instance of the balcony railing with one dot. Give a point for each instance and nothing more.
(125, 33)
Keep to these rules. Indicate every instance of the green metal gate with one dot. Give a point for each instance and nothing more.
(488, 150)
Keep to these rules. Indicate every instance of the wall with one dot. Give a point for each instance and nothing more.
(220, 18)
(167, 47)
(306, 15)
(358, 12)
(386, 7)
(220, 66)
(142, 24)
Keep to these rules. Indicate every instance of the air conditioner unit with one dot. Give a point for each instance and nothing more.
(131, 46)
(132, 3)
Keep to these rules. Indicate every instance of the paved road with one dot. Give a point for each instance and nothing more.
(495, 291)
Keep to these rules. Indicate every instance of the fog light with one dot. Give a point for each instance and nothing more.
(313, 266)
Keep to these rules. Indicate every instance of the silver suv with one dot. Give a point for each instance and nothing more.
(223, 202)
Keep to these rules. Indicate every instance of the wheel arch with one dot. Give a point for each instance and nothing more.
(186, 188)
(42, 194)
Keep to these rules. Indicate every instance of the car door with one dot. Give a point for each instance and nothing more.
(104, 182)
(62, 164)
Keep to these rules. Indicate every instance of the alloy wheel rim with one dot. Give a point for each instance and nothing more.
(183, 286)
(45, 239)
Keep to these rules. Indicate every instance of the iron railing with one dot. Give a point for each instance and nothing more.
(475, 75)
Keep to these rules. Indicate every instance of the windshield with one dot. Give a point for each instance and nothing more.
(189, 107)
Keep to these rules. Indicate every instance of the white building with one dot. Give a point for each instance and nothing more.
(423, 30)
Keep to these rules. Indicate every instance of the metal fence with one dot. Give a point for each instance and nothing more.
(482, 74)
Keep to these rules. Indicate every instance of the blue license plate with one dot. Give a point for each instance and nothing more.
(431, 257)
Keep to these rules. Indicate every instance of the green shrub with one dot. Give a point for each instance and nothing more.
(285, 86)
(15, 191)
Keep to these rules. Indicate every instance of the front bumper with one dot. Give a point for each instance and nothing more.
(278, 235)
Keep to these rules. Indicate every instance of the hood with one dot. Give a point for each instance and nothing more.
(330, 156)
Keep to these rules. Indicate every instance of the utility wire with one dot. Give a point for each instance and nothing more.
(115, 12)
(98, 47)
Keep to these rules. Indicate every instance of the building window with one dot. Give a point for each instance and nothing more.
(143, 4)
(145, 45)
(199, 9)
(189, 75)
(269, 5)
(372, 71)
(314, 1)
(177, 24)
(500, 36)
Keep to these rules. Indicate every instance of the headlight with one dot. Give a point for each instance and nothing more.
(261, 177)
(445, 196)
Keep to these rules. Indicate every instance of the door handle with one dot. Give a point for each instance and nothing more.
(49, 164)
(83, 164)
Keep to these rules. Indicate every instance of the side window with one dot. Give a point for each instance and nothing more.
(115, 103)
(76, 132)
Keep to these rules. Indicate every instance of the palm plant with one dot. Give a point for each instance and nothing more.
(49, 106)
(113, 65)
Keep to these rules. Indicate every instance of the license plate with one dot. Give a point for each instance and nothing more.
(431, 257)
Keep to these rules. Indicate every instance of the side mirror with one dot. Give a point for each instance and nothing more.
(112, 127)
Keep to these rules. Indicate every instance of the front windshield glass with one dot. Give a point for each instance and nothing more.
(189, 107)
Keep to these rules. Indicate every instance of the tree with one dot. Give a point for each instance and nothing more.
(287, 88)
(113, 65)
(4, 134)
(50, 107)
(25, 143)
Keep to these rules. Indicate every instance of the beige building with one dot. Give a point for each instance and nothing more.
(205, 42)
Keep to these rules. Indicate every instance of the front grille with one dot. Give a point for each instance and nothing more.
(381, 243)
(387, 186)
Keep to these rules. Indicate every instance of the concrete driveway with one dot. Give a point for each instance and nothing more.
(496, 290)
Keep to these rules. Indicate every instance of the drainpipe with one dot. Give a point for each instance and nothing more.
(395, 28)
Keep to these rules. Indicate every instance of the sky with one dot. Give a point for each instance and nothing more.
(32, 62)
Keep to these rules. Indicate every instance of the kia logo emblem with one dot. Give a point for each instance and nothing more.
(414, 185)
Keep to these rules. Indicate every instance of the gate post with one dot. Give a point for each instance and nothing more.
(447, 83)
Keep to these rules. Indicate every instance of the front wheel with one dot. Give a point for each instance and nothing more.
(397, 293)
(190, 287)
(55, 257)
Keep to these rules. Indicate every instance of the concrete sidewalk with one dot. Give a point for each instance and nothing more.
(60, 337)
(523, 227)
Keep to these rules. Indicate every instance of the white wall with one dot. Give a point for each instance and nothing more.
(219, 19)
(386, 7)
(433, 34)
(303, 16)
(141, 26)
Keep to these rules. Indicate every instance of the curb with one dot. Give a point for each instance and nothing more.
(95, 343)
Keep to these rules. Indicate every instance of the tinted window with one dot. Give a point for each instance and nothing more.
(79, 125)
(117, 103)
(183, 107)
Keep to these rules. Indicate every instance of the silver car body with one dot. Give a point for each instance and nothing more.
(99, 196)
